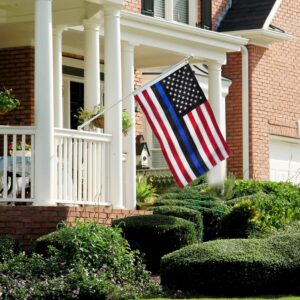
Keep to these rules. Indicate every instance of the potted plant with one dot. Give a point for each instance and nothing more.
(8, 101)
(84, 114)
(19, 149)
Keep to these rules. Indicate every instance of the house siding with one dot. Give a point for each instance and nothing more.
(274, 94)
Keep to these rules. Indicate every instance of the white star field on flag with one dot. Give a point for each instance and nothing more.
(183, 89)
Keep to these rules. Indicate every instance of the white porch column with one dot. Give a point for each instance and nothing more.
(129, 139)
(44, 142)
(91, 65)
(113, 93)
(57, 79)
(218, 173)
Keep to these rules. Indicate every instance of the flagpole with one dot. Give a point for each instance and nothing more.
(162, 75)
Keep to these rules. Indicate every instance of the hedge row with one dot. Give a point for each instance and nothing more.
(156, 235)
(184, 213)
(236, 267)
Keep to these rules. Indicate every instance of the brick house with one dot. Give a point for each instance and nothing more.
(59, 55)
(262, 129)
(272, 28)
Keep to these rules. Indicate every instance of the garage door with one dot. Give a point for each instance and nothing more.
(284, 161)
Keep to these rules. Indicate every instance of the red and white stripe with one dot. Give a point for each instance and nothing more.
(160, 125)
(206, 135)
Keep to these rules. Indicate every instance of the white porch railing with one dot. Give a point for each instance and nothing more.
(17, 164)
(82, 167)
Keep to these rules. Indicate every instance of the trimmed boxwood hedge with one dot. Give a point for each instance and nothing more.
(184, 213)
(212, 213)
(156, 235)
(236, 267)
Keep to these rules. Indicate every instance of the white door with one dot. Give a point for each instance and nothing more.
(285, 161)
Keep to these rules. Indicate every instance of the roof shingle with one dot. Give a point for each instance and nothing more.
(246, 14)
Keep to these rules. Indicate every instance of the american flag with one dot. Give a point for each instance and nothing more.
(183, 122)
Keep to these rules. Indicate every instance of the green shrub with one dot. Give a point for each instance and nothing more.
(92, 257)
(212, 212)
(156, 235)
(169, 202)
(184, 213)
(241, 221)
(144, 191)
(212, 222)
(236, 267)
(9, 247)
(37, 277)
(161, 183)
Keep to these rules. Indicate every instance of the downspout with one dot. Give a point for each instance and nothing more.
(245, 110)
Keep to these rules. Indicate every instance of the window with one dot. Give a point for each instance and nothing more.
(159, 8)
(153, 8)
(182, 11)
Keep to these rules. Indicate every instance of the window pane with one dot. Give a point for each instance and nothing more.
(158, 160)
(159, 8)
(181, 11)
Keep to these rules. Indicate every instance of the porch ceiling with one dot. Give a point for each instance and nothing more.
(157, 42)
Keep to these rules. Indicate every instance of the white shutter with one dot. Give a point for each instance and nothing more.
(159, 8)
(181, 11)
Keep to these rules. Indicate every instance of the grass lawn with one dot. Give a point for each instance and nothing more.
(281, 298)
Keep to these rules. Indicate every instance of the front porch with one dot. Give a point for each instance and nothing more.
(67, 166)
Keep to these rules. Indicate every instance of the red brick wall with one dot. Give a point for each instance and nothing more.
(17, 73)
(27, 223)
(133, 6)
(274, 94)
(233, 70)
(139, 116)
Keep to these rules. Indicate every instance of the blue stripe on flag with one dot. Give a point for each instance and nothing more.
(179, 127)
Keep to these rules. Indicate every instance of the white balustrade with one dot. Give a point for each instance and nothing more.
(17, 160)
(82, 170)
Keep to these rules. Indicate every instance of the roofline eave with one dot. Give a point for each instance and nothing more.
(262, 37)
(143, 26)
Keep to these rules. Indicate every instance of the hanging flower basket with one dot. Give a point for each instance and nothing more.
(8, 101)
(99, 122)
